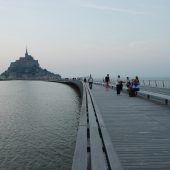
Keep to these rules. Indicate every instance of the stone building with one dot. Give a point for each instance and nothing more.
(27, 68)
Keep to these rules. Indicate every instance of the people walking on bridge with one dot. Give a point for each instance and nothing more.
(118, 85)
(107, 80)
(90, 80)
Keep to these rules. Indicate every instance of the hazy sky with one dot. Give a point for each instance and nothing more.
(79, 37)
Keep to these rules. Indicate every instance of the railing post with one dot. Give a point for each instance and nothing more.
(166, 101)
(155, 83)
(163, 84)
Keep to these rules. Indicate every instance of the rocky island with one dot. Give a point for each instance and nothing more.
(26, 68)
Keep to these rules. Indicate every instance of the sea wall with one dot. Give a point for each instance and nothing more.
(75, 83)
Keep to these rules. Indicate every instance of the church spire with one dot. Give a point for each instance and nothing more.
(26, 53)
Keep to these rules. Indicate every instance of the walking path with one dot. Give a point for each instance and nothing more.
(139, 129)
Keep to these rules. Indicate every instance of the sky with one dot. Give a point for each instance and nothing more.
(80, 37)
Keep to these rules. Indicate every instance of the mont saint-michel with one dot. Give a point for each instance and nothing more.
(27, 68)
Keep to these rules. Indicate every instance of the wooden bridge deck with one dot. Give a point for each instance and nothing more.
(139, 129)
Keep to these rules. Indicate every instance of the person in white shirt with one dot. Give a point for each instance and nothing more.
(90, 80)
(118, 85)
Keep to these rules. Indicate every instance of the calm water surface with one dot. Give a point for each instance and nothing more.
(38, 125)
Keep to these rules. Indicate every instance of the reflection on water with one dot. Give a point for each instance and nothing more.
(38, 125)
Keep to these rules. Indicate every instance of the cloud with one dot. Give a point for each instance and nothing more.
(120, 10)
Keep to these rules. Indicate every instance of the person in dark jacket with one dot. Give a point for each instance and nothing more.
(107, 80)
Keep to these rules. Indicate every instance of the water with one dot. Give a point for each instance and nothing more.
(38, 125)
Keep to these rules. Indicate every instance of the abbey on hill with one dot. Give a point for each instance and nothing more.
(27, 68)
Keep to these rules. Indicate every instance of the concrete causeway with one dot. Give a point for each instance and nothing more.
(139, 129)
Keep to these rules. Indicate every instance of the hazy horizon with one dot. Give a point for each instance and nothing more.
(81, 37)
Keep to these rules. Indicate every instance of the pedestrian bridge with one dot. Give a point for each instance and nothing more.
(122, 132)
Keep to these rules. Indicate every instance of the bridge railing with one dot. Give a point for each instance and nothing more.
(94, 149)
(156, 83)
(145, 82)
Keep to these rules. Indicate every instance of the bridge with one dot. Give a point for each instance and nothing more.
(122, 132)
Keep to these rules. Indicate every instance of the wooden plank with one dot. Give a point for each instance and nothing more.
(98, 160)
(83, 113)
(155, 96)
(97, 111)
(112, 156)
(80, 154)
(139, 130)
(83, 118)
(92, 117)
(80, 159)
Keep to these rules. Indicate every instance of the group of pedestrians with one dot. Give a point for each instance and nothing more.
(132, 85)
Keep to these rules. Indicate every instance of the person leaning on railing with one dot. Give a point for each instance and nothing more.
(134, 87)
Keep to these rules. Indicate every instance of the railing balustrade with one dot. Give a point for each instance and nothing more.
(145, 82)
